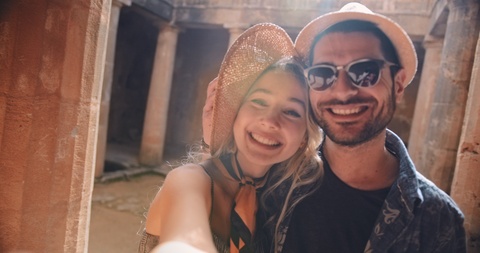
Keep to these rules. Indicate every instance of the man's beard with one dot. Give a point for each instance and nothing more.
(369, 131)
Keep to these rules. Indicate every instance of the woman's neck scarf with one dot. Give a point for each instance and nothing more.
(245, 205)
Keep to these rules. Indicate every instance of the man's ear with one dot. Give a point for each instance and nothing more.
(400, 84)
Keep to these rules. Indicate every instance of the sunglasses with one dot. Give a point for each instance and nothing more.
(362, 73)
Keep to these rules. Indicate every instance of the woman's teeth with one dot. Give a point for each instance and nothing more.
(264, 140)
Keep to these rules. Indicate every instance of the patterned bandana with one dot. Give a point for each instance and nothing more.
(245, 205)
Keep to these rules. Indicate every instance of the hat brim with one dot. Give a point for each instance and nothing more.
(254, 51)
(399, 38)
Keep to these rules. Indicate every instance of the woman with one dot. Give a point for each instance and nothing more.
(260, 125)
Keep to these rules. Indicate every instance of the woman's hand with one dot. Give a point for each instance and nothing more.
(208, 110)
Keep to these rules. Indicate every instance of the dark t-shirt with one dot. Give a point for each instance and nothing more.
(335, 218)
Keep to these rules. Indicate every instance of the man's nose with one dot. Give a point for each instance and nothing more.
(343, 88)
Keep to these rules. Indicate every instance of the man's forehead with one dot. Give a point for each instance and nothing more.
(340, 45)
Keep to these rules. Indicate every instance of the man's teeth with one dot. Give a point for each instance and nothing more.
(346, 111)
(264, 140)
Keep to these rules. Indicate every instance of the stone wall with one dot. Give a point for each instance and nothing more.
(51, 59)
(413, 15)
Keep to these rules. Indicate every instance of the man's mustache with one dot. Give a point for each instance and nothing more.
(354, 100)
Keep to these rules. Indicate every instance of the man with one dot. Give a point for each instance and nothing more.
(371, 198)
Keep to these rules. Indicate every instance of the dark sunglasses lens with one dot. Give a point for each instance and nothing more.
(364, 74)
(321, 77)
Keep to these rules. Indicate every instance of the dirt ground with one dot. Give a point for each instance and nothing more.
(118, 209)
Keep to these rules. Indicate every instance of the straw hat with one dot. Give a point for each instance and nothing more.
(254, 50)
(398, 36)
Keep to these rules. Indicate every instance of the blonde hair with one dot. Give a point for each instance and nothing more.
(304, 168)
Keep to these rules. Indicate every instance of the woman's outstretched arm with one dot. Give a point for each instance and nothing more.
(175, 247)
(180, 211)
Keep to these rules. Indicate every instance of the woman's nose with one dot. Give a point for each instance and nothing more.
(271, 119)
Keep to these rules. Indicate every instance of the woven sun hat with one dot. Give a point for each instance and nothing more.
(254, 51)
(356, 11)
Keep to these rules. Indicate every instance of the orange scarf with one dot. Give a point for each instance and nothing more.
(245, 205)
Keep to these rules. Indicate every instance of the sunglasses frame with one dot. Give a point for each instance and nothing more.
(336, 69)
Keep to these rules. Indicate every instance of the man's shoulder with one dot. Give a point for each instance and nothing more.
(433, 200)
(436, 201)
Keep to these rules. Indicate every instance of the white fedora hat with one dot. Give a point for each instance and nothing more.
(356, 11)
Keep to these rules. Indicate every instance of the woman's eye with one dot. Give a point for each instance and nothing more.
(259, 102)
(293, 113)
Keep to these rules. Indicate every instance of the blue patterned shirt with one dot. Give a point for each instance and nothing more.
(416, 215)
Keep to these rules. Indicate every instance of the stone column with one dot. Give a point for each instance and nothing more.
(466, 180)
(448, 108)
(423, 105)
(107, 85)
(52, 56)
(235, 30)
(155, 124)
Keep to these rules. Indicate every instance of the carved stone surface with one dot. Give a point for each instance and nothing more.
(160, 8)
